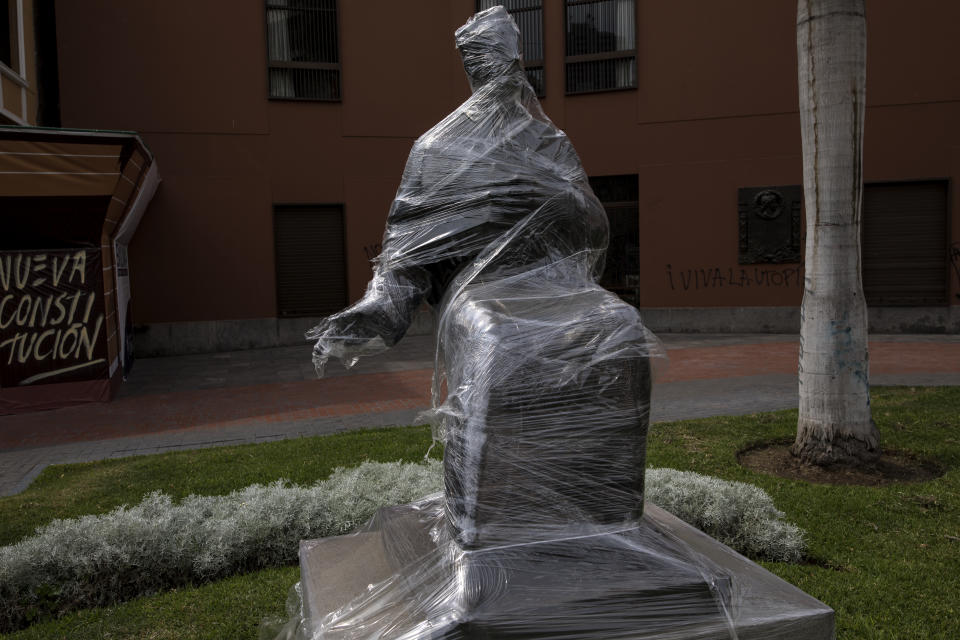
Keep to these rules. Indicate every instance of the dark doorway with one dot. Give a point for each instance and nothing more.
(905, 238)
(310, 259)
(620, 198)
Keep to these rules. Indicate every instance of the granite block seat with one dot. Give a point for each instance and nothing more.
(549, 408)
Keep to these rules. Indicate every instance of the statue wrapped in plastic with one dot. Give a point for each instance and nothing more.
(539, 532)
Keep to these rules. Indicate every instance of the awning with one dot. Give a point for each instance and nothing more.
(70, 201)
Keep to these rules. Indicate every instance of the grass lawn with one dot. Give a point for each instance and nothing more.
(886, 559)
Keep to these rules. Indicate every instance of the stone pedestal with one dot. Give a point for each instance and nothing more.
(404, 577)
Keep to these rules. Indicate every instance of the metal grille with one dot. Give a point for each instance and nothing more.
(8, 23)
(303, 49)
(311, 266)
(528, 14)
(904, 244)
(601, 49)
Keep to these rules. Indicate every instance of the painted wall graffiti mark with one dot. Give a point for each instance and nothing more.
(955, 261)
(696, 279)
(16, 269)
(51, 316)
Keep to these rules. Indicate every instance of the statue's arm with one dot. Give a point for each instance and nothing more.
(374, 323)
(401, 282)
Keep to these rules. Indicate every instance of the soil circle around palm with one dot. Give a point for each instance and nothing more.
(893, 467)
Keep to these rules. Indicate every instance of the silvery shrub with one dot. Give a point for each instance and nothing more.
(740, 515)
(99, 560)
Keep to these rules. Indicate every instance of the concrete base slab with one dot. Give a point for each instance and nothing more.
(402, 577)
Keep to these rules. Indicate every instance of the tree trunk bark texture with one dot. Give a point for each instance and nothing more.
(835, 424)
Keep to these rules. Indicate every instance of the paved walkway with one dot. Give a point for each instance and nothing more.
(267, 394)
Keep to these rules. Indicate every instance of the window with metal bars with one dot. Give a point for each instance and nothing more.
(303, 50)
(8, 32)
(601, 50)
(528, 14)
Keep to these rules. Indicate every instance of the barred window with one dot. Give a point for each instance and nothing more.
(601, 50)
(9, 23)
(303, 56)
(528, 14)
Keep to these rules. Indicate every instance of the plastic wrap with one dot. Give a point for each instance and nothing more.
(402, 576)
(541, 396)
(480, 176)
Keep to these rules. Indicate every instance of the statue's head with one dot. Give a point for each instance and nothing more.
(489, 44)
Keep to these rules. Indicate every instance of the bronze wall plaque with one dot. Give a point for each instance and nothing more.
(769, 220)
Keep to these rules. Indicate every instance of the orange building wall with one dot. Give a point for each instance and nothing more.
(715, 110)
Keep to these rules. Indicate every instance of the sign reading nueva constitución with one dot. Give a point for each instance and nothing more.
(52, 325)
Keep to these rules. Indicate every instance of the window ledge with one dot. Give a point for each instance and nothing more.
(7, 72)
(592, 91)
(301, 99)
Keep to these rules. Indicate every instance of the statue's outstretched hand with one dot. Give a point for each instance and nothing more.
(347, 336)
(375, 322)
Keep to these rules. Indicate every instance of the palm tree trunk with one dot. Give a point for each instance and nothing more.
(835, 424)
